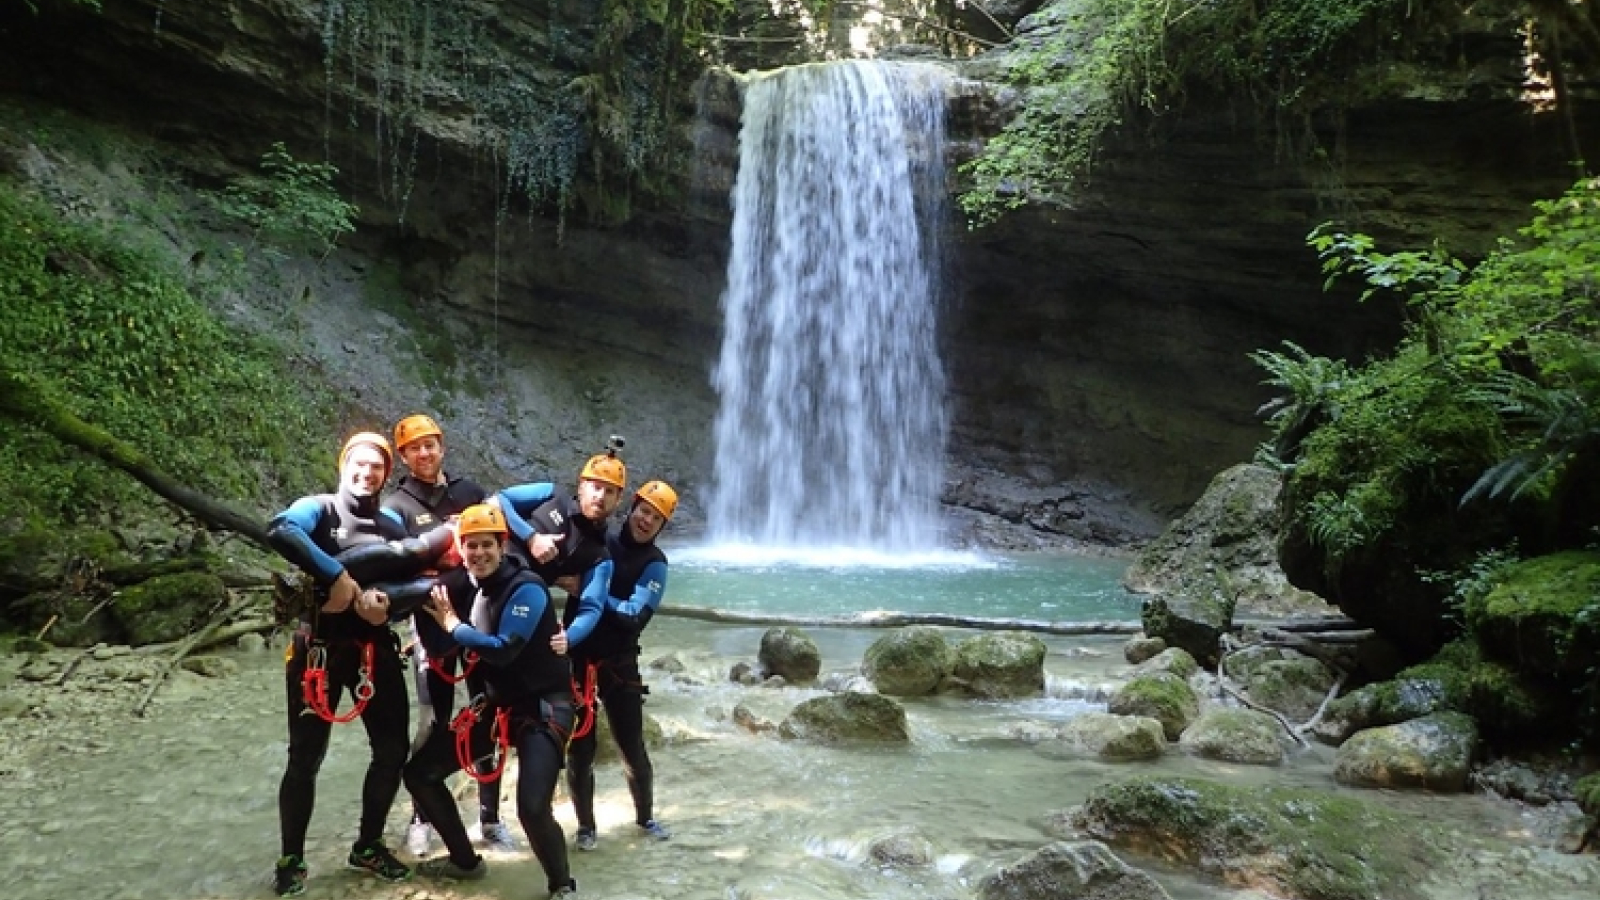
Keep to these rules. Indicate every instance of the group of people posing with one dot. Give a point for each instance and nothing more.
(473, 573)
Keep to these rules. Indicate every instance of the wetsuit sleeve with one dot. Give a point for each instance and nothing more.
(591, 601)
(518, 620)
(636, 611)
(289, 532)
(521, 500)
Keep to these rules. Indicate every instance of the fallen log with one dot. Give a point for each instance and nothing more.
(23, 400)
(879, 619)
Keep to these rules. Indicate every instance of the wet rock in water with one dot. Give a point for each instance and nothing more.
(1084, 870)
(749, 721)
(40, 669)
(902, 850)
(1109, 737)
(1433, 752)
(1194, 622)
(791, 653)
(775, 681)
(909, 662)
(102, 652)
(847, 717)
(1141, 647)
(1521, 781)
(210, 666)
(1236, 736)
(998, 666)
(1162, 696)
(671, 663)
(1176, 660)
(1292, 843)
(252, 643)
(743, 673)
(1294, 686)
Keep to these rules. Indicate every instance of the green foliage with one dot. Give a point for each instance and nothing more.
(125, 345)
(292, 204)
(1099, 60)
(1493, 394)
(1311, 383)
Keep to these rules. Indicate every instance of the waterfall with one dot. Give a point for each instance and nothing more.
(831, 426)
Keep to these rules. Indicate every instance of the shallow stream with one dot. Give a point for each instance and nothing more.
(180, 805)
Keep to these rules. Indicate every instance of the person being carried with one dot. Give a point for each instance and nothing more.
(607, 663)
(563, 538)
(499, 609)
(426, 498)
(342, 641)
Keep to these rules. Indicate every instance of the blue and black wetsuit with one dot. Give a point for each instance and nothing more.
(535, 509)
(508, 620)
(312, 533)
(610, 655)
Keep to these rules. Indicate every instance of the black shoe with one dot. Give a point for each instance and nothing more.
(445, 867)
(377, 859)
(289, 878)
(570, 889)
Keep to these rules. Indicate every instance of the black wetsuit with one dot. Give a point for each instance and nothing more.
(518, 672)
(610, 655)
(310, 534)
(424, 507)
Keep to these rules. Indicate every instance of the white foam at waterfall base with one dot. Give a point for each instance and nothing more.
(831, 425)
(758, 556)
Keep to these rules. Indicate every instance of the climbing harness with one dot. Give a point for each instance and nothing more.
(500, 733)
(584, 693)
(468, 661)
(314, 684)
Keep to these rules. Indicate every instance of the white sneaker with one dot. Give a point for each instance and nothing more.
(496, 836)
(419, 839)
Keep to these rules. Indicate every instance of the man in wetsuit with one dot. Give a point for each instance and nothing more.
(344, 642)
(501, 611)
(426, 498)
(563, 538)
(606, 664)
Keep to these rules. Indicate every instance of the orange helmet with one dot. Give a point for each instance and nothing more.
(481, 518)
(660, 496)
(607, 467)
(368, 437)
(412, 428)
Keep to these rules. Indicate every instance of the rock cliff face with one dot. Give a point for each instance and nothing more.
(1101, 346)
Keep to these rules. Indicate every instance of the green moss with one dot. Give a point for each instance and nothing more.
(168, 607)
(1162, 696)
(1298, 843)
(1544, 615)
(1587, 791)
(1460, 679)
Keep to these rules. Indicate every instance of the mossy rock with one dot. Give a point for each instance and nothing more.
(1176, 660)
(847, 717)
(1432, 753)
(168, 607)
(791, 653)
(1109, 738)
(1235, 735)
(1162, 696)
(909, 662)
(1292, 843)
(1195, 622)
(606, 751)
(1001, 665)
(1544, 615)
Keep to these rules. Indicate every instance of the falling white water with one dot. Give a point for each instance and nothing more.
(831, 430)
